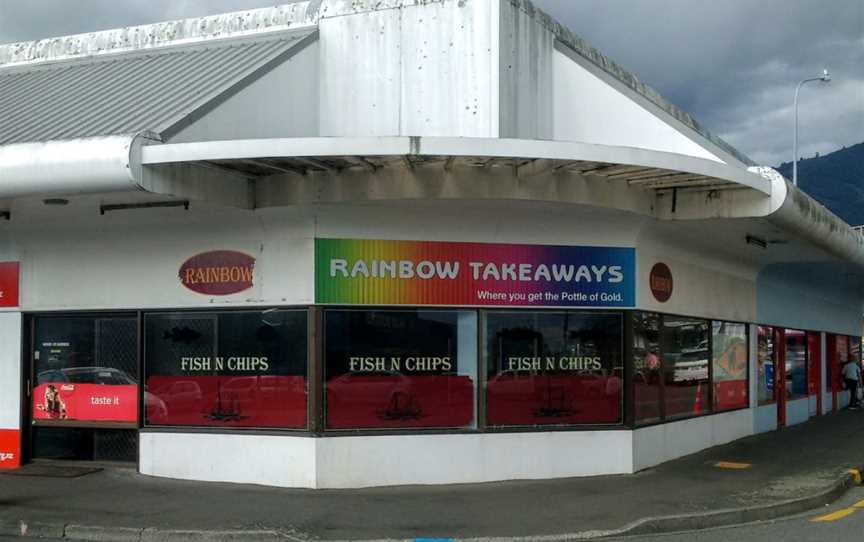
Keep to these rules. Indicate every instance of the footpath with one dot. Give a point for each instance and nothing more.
(787, 472)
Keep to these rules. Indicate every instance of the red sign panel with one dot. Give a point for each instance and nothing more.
(219, 272)
(10, 448)
(660, 282)
(8, 284)
(90, 402)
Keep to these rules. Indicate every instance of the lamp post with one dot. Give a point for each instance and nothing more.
(825, 77)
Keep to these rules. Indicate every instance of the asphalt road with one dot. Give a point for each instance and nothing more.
(841, 521)
(835, 525)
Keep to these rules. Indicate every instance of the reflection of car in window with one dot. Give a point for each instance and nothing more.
(86, 375)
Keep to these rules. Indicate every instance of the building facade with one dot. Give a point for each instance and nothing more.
(345, 244)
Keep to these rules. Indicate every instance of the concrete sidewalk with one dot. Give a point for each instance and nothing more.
(790, 470)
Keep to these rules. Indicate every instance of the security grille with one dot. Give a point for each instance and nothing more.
(117, 345)
(115, 444)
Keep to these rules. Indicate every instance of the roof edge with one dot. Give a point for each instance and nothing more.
(163, 34)
(806, 217)
(585, 50)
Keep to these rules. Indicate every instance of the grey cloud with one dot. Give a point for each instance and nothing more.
(734, 64)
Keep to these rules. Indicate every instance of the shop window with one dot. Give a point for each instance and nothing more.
(855, 349)
(85, 370)
(553, 368)
(765, 365)
(226, 369)
(647, 375)
(400, 368)
(729, 366)
(685, 357)
(796, 364)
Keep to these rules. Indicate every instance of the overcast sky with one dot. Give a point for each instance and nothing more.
(732, 64)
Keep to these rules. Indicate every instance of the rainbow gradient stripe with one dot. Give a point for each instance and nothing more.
(333, 287)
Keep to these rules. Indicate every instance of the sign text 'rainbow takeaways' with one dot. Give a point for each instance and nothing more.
(372, 272)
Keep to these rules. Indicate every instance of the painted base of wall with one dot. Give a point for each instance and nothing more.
(765, 418)
(661, 443)
(797, 411)
(826, 403)
(843, 399)
(354, 462)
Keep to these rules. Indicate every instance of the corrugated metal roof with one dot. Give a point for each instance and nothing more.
(131, 92)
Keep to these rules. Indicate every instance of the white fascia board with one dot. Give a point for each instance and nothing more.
(275, 148)
(444, 146)
(589, 152)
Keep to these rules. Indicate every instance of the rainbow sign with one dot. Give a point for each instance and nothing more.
(371, 272)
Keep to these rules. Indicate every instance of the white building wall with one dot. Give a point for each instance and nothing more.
(797, 411)
(382, 71)
(438, 459)
(705, 283)
(588, 109)
(130, 259)
(351, 462)
(127, 260)
(765, 418)
(280, 460)
(281, 103)
(810, 296)
(526, 75)
(660, 443)
(10, 370)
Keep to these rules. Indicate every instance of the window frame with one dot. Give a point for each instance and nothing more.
(475, 425)
(28, 377)
(315, 368)
(310, 333)
(484, 353)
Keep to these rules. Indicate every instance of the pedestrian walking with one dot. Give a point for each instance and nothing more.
(852, 377)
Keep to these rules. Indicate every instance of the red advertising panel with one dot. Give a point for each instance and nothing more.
(86, 369)
(10, 448)
(90, 402)
(8, 284)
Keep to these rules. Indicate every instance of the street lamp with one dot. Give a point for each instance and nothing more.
(825, 77)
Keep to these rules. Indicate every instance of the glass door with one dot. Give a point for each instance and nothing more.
(83, 387)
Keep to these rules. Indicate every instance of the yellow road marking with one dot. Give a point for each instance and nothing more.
(835, 515)
(856, 475)
(731, 465)
(859, 504)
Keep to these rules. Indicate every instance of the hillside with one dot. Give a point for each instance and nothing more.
(836, 180)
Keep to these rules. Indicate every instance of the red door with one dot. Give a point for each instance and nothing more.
(814, 368)
(841, 349)
(780, 375)
(831, 371)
